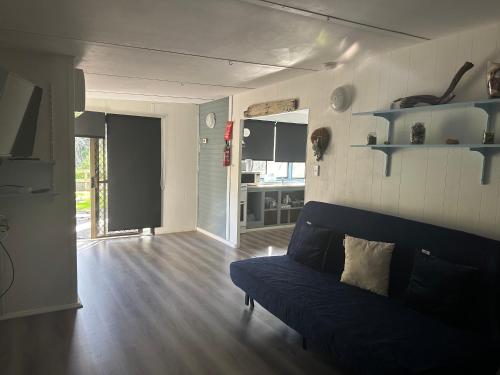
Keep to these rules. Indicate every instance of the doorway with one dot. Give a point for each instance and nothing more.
(273, 174)
(85, 204)
(91, 189)
(91, 193)
(118, 175)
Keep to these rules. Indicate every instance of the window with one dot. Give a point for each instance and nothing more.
(278, 170)
(270, 170)
(259, 166)
(298, 170)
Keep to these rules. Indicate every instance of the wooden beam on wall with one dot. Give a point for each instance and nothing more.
(271, 108)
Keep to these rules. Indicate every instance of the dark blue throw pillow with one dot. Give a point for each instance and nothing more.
(309, 245)
(442, 289)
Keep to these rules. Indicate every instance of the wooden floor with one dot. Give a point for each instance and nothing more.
(160, 305)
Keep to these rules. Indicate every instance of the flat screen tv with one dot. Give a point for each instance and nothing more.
(19, 106)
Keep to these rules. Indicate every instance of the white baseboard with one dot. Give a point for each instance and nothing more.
(41, 310)
(215, 237)
(163, 230)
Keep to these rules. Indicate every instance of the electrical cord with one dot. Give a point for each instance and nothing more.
(12, 267)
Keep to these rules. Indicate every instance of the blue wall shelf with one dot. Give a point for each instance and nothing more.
(460, 145)
(485, 104)
(489, 106)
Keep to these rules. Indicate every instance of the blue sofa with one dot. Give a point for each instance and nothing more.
(370, 333)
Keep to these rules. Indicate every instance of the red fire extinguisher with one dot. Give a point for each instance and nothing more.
(228, 135)
(227, 155)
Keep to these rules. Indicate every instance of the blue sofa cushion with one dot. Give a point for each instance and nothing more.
(309, 245)
(370, 333)
(442, 289)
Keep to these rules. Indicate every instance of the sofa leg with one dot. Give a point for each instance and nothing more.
(304, 343)
(247, 299)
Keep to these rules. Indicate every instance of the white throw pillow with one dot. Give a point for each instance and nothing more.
(367, 264)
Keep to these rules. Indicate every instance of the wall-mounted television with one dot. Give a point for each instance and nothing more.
(19, 106)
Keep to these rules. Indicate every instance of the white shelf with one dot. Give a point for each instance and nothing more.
(430, 145)
(36, 174)
(49, 194)
(26, 162)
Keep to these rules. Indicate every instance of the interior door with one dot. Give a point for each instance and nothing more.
(134, 172)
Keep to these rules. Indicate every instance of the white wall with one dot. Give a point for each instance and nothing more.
(42, 236)
(438, 186)
(180, 150)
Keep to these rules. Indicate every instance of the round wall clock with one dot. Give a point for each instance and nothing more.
(339, 100)
(210, 120)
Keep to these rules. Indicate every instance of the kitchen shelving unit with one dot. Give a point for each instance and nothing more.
(267, 215)
(489, 106)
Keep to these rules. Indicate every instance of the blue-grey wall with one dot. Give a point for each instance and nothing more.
(212, 176)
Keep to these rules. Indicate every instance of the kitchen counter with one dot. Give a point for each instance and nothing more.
(277, 186)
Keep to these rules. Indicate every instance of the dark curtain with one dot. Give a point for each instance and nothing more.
(90, 124)
(259, 145)
(291, 142)
(134, 172)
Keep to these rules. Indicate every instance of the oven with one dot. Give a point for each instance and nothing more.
(243, 208)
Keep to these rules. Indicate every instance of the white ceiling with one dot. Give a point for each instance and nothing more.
(194, 51)
(426, 18)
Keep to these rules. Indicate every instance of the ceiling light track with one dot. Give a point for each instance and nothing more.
(333, 19)
(150, 95)
(230, 61)
(182, 83)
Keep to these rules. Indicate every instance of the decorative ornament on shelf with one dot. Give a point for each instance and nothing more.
(452, 141)
(320, 139)
(340, 99)
(417, 134)
(371, 138)
(493, 79)
(412, 101)
(210, 120)
(488, 137)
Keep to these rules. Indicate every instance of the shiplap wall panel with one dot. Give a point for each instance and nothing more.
(212, 175)
(439, 186)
